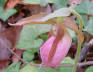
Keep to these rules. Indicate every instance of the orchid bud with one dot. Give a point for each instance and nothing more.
(62, 49)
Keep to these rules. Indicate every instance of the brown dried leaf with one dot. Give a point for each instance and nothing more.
(69, 23)
(11, 3)
(17, 58)
(36, 9)
(5, 45)
(4, 64)
(12, 34)
(5, 53)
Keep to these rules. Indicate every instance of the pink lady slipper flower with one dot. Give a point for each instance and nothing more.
(52, 52)
(62, 48)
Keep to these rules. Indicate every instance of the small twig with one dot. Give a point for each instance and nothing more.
(37, 65)
(62, 65)
(85, 63)
(85, 50)
(41, 65)
(17, 56)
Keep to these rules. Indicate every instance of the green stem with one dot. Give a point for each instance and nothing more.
(79, 44)
(79, 18)
(77, 57)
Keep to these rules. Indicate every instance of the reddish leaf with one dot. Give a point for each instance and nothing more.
(34, 19)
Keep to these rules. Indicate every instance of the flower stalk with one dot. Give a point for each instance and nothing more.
(79, 43)
(79, 18)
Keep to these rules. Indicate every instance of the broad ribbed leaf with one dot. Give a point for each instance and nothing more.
(2, 2)
(43, 3)
(67, 60)
(29, 68)
(84, 17)
(5, 14)
(65, 69)
(89, 27)
(90, 69)
(57, 13)
(60, 3)
(28, 55)
(14, 67)
(29, 36)
(85, 7)
(46, 69)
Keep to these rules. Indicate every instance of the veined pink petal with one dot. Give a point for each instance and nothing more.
(63, 47)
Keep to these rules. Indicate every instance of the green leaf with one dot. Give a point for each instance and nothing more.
(46, 70)
(29, 68)
(90, 69)
(43, 3)
(60, 3)
(29, 36)
(89, 27)
(85, 7)
(28, 55)
(2, 3)
(14, 67)
(84, 17)
(65, 69)
(58, 13)
(73, 35)
(5, 14)
(67, 60)
(44, 36)
(36, 1)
